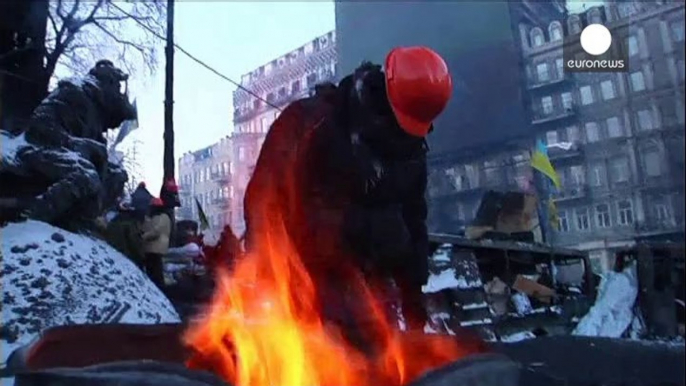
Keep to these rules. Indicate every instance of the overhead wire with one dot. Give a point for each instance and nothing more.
(198, 61)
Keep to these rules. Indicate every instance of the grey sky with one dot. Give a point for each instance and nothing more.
(234, 37)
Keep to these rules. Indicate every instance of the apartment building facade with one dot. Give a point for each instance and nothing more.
(271, 87)
(616, 139)
(205, 175)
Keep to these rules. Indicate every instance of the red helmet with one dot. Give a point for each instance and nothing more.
(419, 87)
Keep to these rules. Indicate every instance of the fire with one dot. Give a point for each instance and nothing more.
(266, 326)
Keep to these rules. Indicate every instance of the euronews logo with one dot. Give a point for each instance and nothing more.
(595, 52)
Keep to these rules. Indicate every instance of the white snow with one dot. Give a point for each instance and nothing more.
(479, 322)
(518, 337)
(475, 306)
(448, 279)
(9, 146)
(612, 313)
(522, 304)
(52, 277)
(443, 253)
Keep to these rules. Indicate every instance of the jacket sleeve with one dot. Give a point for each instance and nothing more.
(415, 214)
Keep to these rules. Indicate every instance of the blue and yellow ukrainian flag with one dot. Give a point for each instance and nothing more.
(541, 162)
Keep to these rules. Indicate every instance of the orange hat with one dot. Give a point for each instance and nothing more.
(419, 87)
(156, 201)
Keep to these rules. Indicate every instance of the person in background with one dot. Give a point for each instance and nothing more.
(124, 233)
(156, 234)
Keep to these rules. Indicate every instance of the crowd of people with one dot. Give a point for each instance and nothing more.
(144, 230)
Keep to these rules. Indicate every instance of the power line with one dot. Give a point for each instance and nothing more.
(195, 59)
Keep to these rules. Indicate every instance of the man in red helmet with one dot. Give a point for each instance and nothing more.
(346, 170)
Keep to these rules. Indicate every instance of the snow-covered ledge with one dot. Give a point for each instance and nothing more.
(50, 277)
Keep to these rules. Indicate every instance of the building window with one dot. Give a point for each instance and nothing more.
(282, 92)
(619, 170)
(592, 132)
(637, 81)
(677, 28)
(662, 212)
(578, 175)
(560, 68)
(542, 73)
(562, 221)
(614, 127)
(602, 216)
(597, 175)
(270, 97)
(537, 39)
(651, 159)
(555, 31)
(607, 87)
(586, 95)
(594, 16)
(551, 137)
(625, 212)
(645, 120)
(573, 134)
(632, 45)
(311, 79)
(295, 87)
(241, 153)
(574, 24)
(547, 105)
(582, 221)
(567, 100)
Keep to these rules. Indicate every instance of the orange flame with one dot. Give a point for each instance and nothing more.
(264, 328)
(265, 325)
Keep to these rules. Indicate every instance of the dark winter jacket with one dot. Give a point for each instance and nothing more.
(344, 192)
(124, 233)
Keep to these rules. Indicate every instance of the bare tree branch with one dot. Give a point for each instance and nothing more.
(116, 39)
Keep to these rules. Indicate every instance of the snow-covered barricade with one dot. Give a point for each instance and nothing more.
(51, 277)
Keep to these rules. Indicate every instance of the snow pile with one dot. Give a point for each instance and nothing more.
(443, 253)
(612, 313)
(52, 277)
(448, 279)
(9, 147)
(517, 337)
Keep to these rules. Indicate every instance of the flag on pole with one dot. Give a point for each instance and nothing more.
(541, 162)
(127, 127)
(204, 224)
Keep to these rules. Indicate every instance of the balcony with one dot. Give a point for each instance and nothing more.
(534, 84)
(221, 202)
(564, 151)
(221, 178)
(556, 115)
(571, 192)
(657, 226)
